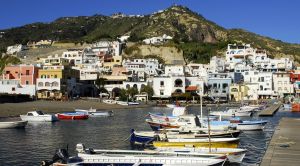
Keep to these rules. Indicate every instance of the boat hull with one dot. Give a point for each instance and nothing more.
(14, 124)
(40, 118)
(233, 144)
(296, 107)
(72, 117)
(251, 125)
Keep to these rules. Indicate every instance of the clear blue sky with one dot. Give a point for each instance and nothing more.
(278, 19)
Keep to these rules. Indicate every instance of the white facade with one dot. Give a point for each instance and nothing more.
(158, 39)
(114, 48)
(14, 87)
(164, 86)
(252, 91)
(217, 64)
(264, 80)
(174, 70)
(282, 84)
(196, 81)
(74, 56)
(138, 85)
(15, 49)
(48, 84)
(199, 70)
(149, 66)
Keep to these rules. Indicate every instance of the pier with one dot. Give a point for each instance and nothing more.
(284, 148)
(270, 110)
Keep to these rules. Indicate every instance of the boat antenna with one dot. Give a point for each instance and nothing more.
(209, 140)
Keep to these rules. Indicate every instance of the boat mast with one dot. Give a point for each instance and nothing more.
(209, 140)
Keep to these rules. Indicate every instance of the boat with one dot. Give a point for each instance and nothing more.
(133, 103)
(109, 101)
(72, 116)
(287, 106)
(122, 103)
(87, 111)
(170, 105)
(38, 116)
(134, 158)
(147, 137)
(198, 142)
(249, 125)
(234, 155)
(13, 124)
(101, 114)
(296, 105)
(232, 112)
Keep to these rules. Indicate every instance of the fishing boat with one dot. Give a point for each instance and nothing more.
(248, 125)
(232, 112)
(72, 116)
(94, 113)
(199, 142)
(135, 158)
(147, 137)
(234, 155)
(38, 116)
(13, 124)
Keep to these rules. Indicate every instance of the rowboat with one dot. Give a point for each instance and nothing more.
(135, 158)
(72, 116)
(38, 116)
(87, 111)
(234, 155)
(13, 124)
(147, 137)
(94, 113)
(199, 142)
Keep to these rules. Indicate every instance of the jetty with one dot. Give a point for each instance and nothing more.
(284, 148)
(270, 110)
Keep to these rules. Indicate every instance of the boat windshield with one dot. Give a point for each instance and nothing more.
(40, 112)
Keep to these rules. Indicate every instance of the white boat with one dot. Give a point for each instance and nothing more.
(122, 103)
(135, 158)
(86, 111)
(287, 106)
(232, 112)
(109, 101)
(13, 124)
(133, 103)
(101, 114)
(251, 125)
(234, 155)
(170, 105)
(38, 116)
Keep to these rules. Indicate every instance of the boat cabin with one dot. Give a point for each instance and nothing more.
(35, 113)
(188, 120)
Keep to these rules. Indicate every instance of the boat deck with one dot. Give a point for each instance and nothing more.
(270, 110)
(284, 148)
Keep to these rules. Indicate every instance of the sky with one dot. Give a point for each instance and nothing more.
(278, 19)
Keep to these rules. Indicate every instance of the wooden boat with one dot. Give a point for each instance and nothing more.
(72, 116)
(13, 124)
(147, 137)
(199, 142)
(234, 155)
(38, 116)
(136, 158)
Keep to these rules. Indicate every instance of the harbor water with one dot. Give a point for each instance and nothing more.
(38, 141)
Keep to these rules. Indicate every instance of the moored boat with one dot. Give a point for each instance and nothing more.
(101, 114)
(232, 112)
(72, 116)
(135, 158)
(13, 124)
(108, 101)
(234, 155)
(199, 142)
(38, 116)
(296, 107)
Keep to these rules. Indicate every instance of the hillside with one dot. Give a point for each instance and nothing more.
(196, 36)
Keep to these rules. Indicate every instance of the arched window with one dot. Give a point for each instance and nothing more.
(178, 91)
(40, 84)
(47, 84)
(54, 83)
(178, 83)
(135, 86)
(127, 86)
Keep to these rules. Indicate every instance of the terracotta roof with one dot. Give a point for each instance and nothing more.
(191, 88)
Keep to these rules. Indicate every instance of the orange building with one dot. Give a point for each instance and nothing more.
(26, 74)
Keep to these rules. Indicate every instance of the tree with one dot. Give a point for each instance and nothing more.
(100, 82)
(148, 89)
(123, 95)
(131, 92)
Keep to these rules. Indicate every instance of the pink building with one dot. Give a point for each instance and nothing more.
(26, 74)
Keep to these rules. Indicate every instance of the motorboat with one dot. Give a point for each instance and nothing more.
(72, 116)
(108, 101)
(94, 113)
(133, 103)
(248, 125)
(198, 142)
(147, 137)
(234, 155)
(87, 111)
(233, 112)
(133, 157)
(177, 111)
(170, 105)
(38, 116)
(122, 103)
(13, 124)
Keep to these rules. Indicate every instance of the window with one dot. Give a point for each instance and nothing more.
(55, 76)
(27, 72)
(161, 92)
(40, 84)
(215, 85)
(27, 82)
(47, 84)
(13, 89)
(225, 86)
(279, 82)
(162, 83)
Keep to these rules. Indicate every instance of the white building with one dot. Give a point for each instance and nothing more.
(282, 84)
(199, 70)
(110, 47)
(149, 66)
(14, 87)
(158, 39)
(174, 70)
(73, 55)
(15, 49)
(165, 86)
(264, 80)
(217, 64)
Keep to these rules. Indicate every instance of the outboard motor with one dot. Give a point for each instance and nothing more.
(60, 155)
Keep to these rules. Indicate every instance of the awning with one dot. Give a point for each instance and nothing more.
(191, 88)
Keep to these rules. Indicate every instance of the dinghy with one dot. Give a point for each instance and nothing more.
(13, 124)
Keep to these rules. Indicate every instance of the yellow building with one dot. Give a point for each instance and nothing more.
(111, 61)
(238, 92)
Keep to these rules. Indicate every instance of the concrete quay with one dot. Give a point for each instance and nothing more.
(270, 110)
